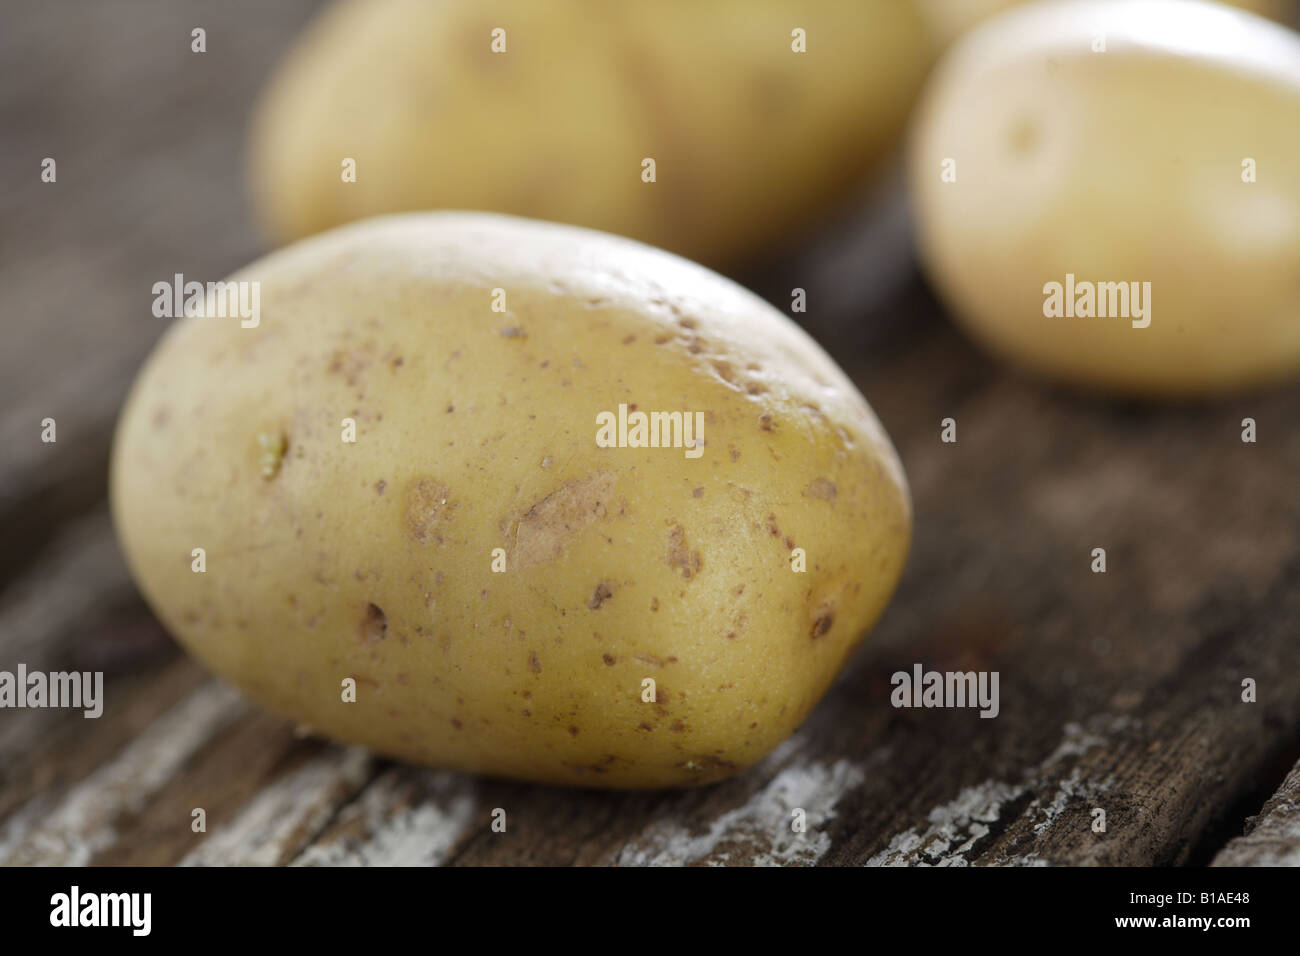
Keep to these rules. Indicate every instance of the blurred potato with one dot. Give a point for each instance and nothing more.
(1166, 167)
(750, 139)
(949, 19)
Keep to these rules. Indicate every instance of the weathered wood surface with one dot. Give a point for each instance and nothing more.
(1273, 837)
(1119, 691)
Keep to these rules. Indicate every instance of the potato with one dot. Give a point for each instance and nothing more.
(749, 138)
(498, 584)
(1172, 158)
(949, 19)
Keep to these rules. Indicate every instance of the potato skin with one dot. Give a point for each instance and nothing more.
(1121, 166)
(476, 430)
(749, 138)
(948, 20)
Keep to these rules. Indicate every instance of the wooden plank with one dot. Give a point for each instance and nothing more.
(407, 817)
(82, 822)
(76, 609)
(1273, 837)
(238, 777)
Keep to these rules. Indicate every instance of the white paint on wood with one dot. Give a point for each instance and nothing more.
(407, 817)
(954, 828)
(1070, 790)
(285, 815)
(759, 830)
(82, 823)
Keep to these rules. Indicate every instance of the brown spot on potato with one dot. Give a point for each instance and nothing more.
(725, 372)
(1023, 136)
(455, 722)
(374, 625)
(645, 726)
(380, 486)
(427, 509)
(823, 622)
(534, 664)
(573, 731)
(608, 659)
(681, 556)
(715, 762)
(697, 493)
(541, 533)
(821, 488)
(604, 591)
(766, 423)
(351, 364)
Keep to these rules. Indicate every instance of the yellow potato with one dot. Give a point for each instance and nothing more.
(749, 138)
(949, 19)
(477, 430)
(1083, 178)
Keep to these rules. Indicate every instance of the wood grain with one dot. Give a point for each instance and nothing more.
(1273, 837)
